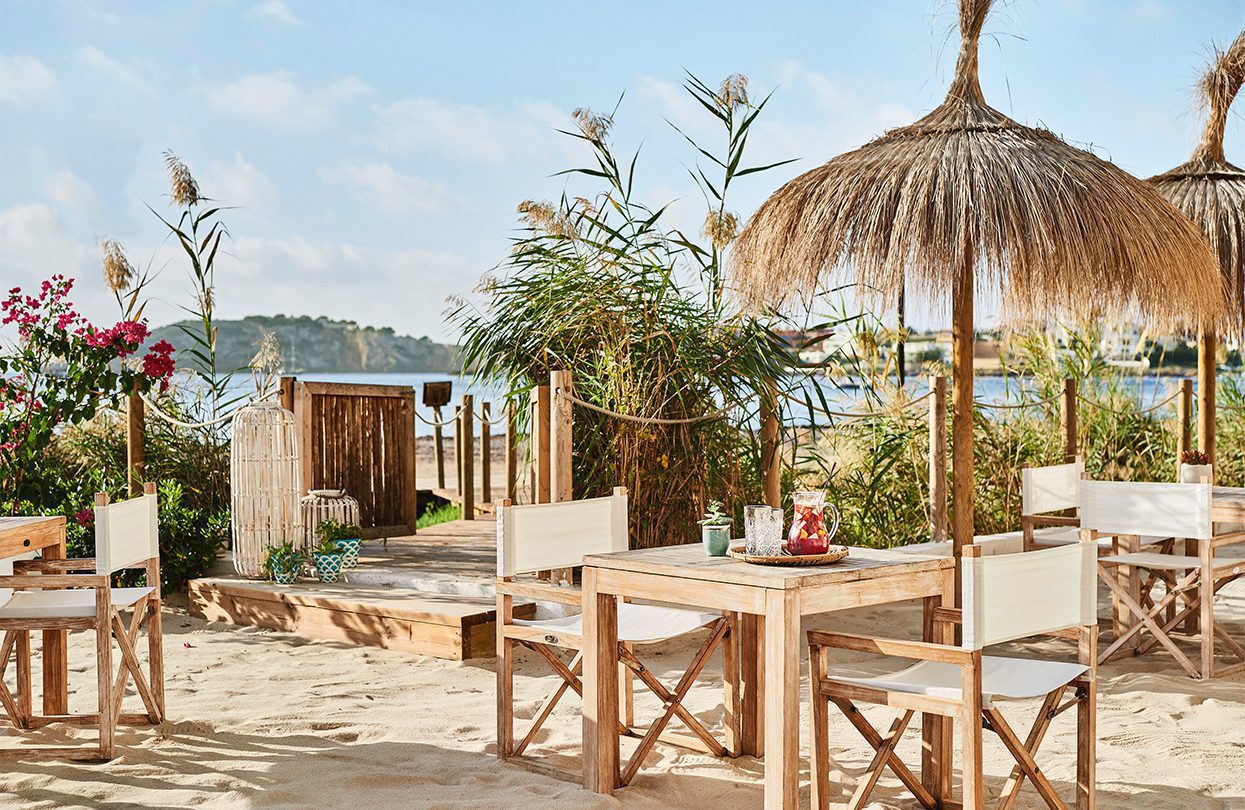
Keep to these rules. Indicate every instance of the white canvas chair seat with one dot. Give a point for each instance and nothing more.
(1071, 535)
(1160, 562)
(637, 624)
(65, 604)
(1001, 678)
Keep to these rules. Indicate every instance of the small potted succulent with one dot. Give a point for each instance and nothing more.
(328, 557)
(715, 530)
(1195, 467)
(346, 536)
(283, 563)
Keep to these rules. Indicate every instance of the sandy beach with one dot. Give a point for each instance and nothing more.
(269, 719)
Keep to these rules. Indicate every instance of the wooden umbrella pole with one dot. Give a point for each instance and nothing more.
(962, 418)
(1207, 349)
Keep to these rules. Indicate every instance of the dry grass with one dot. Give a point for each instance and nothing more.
(1208, 189)
(968, 190)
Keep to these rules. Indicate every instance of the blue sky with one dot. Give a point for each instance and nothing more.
(377, 150)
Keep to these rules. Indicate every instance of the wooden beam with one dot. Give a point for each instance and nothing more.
(540, 442)
(938, 458)
(962, 338)
(561, 481)
(438, 445)
(512, 452)
(1184, 426)
(135, 432)
(1067, 421)
(465, 439)
(771, 459)
(302, 418)
(486, 452)
(1207, 349)
(406, 460)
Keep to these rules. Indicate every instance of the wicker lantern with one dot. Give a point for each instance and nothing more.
(325, 504)
(264, 473)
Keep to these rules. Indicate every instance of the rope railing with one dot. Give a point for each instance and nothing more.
(435, 423)
(1156, 406)
(220, 420)
(857, 416)
(643, 420)
(1014, 406)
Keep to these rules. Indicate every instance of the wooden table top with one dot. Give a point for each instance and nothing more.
(691, 562)
(21, 534)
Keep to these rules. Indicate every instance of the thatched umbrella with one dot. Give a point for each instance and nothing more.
(1211, 192)
(965, 198)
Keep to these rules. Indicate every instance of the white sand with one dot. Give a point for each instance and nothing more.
(269, 719)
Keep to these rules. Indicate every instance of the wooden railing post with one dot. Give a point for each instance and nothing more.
(1184, 421)
(135, 432)
(406, 460)
(771, 460)
(306, 437)
(486, 454)
(561, 482)
(938, 458)
(466, 440)
(512, 452)
(1067, 421)
(540, 443)
(438, 445)
(1207, 351)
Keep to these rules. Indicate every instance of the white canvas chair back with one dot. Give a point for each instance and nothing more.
(539, 537)
(1146, 508)
(1050, 489)
(1010, 596)
(126, 533)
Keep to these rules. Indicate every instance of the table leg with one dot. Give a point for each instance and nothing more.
(1191, 549)
(1206, 610)
(751, 685)
(936, 730)
(55, 654)
(730, 686)
(782, 698)
(600, 699)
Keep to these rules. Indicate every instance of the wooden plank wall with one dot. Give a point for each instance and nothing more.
(360, 438)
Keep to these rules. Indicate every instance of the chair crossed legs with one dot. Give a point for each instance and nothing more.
(50, 595)
(1012, 596)
(527, 535)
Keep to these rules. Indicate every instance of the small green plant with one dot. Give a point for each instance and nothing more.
(328, 545)
(715, 516)
(439, 514)
(283, 558)
(1194, 457)
(331, 530)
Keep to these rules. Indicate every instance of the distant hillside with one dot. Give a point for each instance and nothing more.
(320, 344)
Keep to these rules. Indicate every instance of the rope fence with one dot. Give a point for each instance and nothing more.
(220, 420)
(642, 420)
(1140, 412)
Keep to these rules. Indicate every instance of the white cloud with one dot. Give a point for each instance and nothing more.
(34, 245)
(70, 191)
(279, 100)
(24, 79)
(469, 132)
(274, 10)
(103, 63)
(392, 193)
(239, 183)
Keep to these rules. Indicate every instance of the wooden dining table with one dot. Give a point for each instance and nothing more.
(767, 603)
(46, 535)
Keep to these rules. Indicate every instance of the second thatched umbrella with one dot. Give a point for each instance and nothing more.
(1211, 192)
(967, 198)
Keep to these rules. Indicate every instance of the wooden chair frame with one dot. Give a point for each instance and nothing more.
(547, 646)
(973, 715)
(108, 623)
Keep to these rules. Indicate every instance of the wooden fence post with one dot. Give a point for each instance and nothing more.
(540, 442)
(1067, 420)
(406, 460)
(938, 458)
(1207, 350)
(486, 453)
(561, 482)
(438, 445)
(458, 449)
(771, 460)
(306, 447)
(465, 440)
(1184, 423)
(135, 432)
(512, 448)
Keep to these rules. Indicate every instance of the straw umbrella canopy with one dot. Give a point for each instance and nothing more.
(1211, 192)
(964, 199)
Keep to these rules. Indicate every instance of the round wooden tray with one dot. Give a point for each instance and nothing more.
(835, 554)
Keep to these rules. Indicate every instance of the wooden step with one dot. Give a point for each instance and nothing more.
(441, 625)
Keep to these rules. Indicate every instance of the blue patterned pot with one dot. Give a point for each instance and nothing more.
(350, 551)
(284, 573)
(328, 566)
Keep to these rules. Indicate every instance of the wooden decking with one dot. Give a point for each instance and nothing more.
(421, 617)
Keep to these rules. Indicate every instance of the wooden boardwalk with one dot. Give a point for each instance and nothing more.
(445, 625)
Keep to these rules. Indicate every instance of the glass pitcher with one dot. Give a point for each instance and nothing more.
(809, 534)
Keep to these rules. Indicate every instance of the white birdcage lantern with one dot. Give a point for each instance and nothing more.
(325, 504)
(264, 484)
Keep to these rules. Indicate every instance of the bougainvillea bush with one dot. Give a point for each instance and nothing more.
(57, 368)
